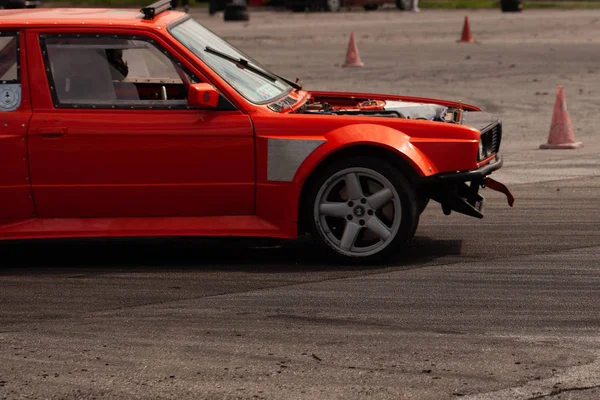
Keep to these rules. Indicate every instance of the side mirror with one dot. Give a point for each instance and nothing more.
(203, 95)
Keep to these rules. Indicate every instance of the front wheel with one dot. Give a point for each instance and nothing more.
(363, 209)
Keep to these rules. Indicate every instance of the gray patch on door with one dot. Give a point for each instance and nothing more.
(286, 155)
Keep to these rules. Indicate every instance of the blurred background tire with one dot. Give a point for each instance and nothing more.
(404, 4)
(216, 5)
(511, 5)
(15, 4)
(333, 5)
(236, 10)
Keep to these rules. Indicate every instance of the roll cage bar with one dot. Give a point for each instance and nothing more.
(156, 8)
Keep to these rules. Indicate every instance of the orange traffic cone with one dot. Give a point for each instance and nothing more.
(352, 57)
(466, 32)
(561, 134)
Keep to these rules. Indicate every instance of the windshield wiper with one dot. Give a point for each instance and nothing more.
(242, 63)
(292, 84)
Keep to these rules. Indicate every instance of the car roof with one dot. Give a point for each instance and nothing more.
(94, 17)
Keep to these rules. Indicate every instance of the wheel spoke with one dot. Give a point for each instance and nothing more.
(378, 228)
(380, 198)
(334, 209)
(353, 188)
(350, 234)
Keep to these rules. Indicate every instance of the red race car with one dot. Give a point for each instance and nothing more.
(144, 123)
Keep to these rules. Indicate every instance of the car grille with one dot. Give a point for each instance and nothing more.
(491, 137)
(287, 102)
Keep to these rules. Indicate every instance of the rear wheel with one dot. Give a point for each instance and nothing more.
(363, 209)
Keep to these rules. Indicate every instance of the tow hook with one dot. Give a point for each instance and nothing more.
(499, 187)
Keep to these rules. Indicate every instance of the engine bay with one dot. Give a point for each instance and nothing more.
(386, 108)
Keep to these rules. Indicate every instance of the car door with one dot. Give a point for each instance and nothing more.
(15, 112)
(117, 138)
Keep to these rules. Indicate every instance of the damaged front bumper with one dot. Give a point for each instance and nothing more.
(459, 191)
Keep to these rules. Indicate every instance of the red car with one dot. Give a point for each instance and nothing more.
(144, 123)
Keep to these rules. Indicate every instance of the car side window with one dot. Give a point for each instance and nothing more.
(10, 77)
(112, 71)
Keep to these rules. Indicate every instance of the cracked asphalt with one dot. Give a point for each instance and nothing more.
(506, 307)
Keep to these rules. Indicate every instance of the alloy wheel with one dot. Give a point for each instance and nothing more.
(358, 212)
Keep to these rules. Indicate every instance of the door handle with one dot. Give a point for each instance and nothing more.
(53, 132)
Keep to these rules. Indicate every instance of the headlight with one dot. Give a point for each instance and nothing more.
(480, 156)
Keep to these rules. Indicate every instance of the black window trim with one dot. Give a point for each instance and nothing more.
(17, 34)
(95, 106)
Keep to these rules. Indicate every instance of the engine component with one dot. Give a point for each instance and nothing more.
(387, 108)
(410, 110)
(371, 113)
(371, 105)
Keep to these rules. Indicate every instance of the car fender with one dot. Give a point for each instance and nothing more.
(358, 135)
(369, 135)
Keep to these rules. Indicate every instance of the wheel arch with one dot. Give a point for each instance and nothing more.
(412, 169)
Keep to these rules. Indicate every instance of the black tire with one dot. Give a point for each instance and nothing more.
(404, 4)
(423, 202)
(235, 13)
(295, 5)
(409, 203)
(511, 5)
(212, 7)
(14, 5)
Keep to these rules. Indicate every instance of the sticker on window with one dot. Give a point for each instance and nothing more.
(267, 91)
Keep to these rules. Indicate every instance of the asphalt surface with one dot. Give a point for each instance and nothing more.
(508, 303)
(506, 307)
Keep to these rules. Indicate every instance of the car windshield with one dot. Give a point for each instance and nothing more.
(255, 87)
